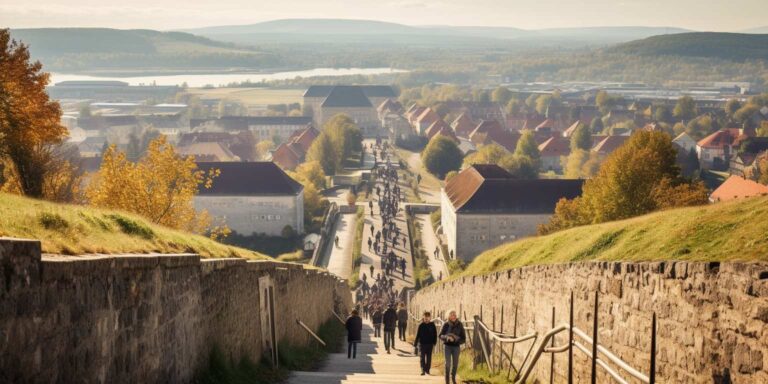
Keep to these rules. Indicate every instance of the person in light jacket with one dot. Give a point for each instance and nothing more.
(426, 338)
(453, 336)
(354, 326)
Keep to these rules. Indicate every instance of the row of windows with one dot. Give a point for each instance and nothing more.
(485, 237)
(265, 217)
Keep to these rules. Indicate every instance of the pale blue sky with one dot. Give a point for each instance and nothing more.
(712, 15)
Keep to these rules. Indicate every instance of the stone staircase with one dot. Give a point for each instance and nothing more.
(372, 366)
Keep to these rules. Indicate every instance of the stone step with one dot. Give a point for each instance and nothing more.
(360, 378)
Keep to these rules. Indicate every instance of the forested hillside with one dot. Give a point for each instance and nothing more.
(728, 46)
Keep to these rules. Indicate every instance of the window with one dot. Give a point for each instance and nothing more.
(277, 217)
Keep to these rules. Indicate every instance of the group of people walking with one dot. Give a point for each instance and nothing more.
(452, 334)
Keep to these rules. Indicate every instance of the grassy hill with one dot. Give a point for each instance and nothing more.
(729, 46)
(81, 48)
(733, 231)
(72, 229)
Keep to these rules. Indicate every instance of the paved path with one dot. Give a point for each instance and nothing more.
(339, 261)
(370, 258)
(372, 365)
(429, 243)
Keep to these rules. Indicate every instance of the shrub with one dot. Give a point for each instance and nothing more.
(132, 227)
(52, 221)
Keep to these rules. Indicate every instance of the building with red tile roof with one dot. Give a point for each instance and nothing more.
(463, 126)
(485, 206)
(737, 187)
(479, 134)
(427, 117)
(606, 146)
(551, 152)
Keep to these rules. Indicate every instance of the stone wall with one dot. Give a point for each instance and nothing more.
(712, 317)
(144, 318)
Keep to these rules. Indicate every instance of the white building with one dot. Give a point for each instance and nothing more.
(255, 197)
(483, 207)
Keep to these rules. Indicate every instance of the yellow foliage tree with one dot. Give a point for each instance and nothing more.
(639, 177)
(161, 187)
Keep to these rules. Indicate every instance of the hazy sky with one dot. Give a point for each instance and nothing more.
(712, 15)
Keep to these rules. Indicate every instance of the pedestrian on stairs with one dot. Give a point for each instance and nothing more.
(402, 322)
(390, 323)
(354, 326)
(376, 320)
(453, 336)
(426, 338)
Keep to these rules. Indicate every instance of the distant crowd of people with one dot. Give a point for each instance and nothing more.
(377, 297)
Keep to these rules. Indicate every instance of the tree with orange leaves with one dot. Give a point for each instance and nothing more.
(161, 186)
(29, 121)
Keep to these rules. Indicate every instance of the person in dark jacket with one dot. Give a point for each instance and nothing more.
(453, 336)
(354, 326)
(376, 318)
(426, 338)
(402, 322)
(390, 323)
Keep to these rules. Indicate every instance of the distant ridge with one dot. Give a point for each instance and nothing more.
(729, 46)
(308, 30)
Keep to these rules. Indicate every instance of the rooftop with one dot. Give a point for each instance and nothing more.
(263, 178)
(736, 187)
(488, 188)
(345, 96)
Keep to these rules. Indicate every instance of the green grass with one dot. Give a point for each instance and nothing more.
(465, 372)
(73, 229)
(732, 231)
(357, 251)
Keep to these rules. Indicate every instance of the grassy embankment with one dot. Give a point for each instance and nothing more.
(72, 230)
(732, 231)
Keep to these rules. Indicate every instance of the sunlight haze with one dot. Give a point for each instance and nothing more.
(734, 16)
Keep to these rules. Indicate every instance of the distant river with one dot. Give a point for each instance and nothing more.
(218, 79)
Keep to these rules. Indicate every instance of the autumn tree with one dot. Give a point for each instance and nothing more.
(685, 108)
(29, 121)
(487, 154)
(310, 174)
(580, 164)
(441, 156)
(581, 138)
(161, 186)
(639, 177)
(323, 152)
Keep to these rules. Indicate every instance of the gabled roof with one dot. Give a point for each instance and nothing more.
(489, 189)
(683, 137)
(736, 187)
(463, 125)
(427, 116)
(719, 139)
(435, 127)
(609, 144)
(507, 140)
(555, 146)
(346, 96)
(390, 105)
(286, 156)
(318, 91)
(572, 129)
(487, 126)
(263, 178)
(305, 138)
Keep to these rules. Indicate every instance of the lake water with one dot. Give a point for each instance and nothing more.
(217, 79)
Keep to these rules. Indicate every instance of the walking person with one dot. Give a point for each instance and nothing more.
(402, 322)
(426, 338)
(354, 326)
(390, 323)
(453, 336)
(376, 320)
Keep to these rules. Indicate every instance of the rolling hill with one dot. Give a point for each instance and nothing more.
(728, 46)
(88, 48)
(719, 232)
